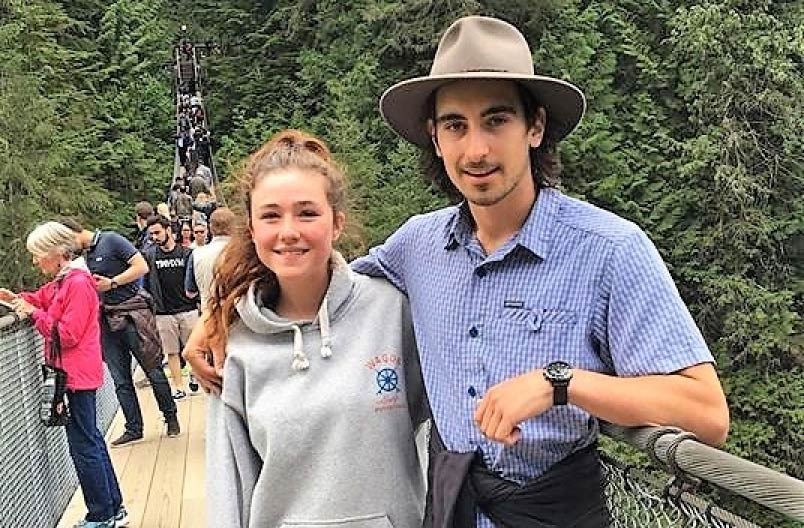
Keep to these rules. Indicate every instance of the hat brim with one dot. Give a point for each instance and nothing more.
(403, 104)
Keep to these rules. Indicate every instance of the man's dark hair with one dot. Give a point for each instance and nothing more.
(74, 225)
(545, 162)
(158, 219)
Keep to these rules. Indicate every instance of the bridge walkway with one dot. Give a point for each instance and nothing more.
(162, 479)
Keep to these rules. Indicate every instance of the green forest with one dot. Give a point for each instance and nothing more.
(695, 131)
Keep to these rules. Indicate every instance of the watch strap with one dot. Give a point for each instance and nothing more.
(560, 393)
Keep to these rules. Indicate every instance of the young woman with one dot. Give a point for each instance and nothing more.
(322, 394)
(185, 238)
(70, 303)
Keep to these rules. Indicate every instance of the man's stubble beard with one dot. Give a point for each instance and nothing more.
(493, 200)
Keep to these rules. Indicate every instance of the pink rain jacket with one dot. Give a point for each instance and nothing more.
(73, 304)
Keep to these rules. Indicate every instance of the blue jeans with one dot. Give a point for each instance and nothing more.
(91, 458)
(118, 349)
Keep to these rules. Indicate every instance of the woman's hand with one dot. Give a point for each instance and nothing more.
(7, 295)
(22, 307)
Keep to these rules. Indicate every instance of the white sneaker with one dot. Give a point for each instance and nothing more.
(179, 395)
(121, 518)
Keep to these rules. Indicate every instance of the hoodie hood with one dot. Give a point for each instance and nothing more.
(263, 320)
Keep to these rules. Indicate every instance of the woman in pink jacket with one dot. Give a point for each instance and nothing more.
(71, 303)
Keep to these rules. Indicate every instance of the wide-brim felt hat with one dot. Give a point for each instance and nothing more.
(477, 47)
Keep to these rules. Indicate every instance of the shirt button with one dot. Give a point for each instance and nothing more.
(472, 392)
(481, 272)
(473, 332)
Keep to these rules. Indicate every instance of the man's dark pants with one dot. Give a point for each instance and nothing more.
(118, 349)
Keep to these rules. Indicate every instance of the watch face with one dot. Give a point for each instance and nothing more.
(559, 371)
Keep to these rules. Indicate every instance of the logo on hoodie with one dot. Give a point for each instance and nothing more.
(387, 386)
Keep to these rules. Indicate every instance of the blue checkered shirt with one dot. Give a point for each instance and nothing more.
(576, 283)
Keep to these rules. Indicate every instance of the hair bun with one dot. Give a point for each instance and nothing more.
(296, 140)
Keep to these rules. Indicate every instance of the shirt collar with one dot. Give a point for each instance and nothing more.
(460, 228)
(94, 241)
(536, 234)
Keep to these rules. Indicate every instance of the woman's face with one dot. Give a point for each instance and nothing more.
(186, 232)
(50, 263)
(293, 225)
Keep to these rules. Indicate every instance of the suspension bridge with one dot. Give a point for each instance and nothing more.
(656, 477)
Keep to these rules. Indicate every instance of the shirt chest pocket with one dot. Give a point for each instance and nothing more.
(535, 320)
(526, 338)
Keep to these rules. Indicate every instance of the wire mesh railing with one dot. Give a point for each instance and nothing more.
(637, 498)
(38, 476)
(658, 476)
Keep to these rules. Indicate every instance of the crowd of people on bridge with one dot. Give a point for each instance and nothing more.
(193, 140)
(508, 323)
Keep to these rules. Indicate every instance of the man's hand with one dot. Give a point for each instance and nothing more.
(7, 295)
(508, 404)
(199, 355)
(102, 284)
(206, 375)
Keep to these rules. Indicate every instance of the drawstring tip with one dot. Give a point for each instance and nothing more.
(301, 364)
(326, 351)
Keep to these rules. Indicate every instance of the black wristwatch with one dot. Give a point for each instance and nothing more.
(113, 284)
(559, 374)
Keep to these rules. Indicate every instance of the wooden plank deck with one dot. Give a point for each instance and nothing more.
(162, 479)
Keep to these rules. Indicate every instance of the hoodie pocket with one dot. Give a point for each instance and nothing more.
(379, 520)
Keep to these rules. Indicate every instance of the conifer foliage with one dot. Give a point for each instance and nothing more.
(694, 130)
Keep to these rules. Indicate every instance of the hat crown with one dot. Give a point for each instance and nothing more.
(477, 44)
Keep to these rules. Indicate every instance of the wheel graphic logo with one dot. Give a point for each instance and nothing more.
(387, 380)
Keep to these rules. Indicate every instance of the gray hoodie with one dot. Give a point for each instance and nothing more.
(315, 426)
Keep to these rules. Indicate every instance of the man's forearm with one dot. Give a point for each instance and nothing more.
(126, 277)
(691, 399)
(137, 268)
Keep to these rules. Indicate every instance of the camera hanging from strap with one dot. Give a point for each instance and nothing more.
(53, 410)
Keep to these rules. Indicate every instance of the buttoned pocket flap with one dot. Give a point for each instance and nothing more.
(536, 318)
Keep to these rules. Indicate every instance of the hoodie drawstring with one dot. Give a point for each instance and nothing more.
(300, 361)
(323, 322)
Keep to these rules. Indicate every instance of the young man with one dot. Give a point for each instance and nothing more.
(175, 312)
(535, 313)
(128, 328)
